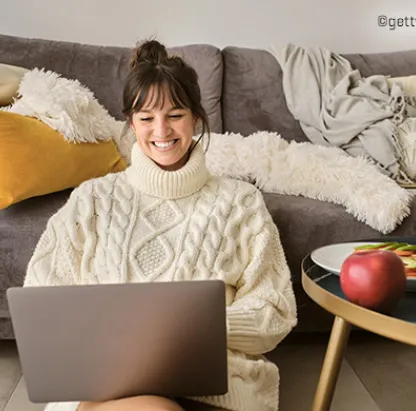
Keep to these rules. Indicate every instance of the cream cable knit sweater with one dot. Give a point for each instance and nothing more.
(147, 224)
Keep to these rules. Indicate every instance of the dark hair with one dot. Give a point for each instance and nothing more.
(151, 66)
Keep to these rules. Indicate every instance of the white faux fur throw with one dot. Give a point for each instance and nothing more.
(313, 171)
(266, 159)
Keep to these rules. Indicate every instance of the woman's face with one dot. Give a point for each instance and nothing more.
(164, 132)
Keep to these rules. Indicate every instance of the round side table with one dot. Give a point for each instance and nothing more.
(324, 289)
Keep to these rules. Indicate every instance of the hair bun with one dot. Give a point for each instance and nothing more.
(150, 51)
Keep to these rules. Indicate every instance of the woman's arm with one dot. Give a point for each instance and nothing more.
(264, 309)
(57, 257)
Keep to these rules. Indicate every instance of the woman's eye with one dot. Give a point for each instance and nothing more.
(176, 116)
(146, 119)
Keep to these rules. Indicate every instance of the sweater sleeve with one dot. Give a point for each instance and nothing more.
(56, 260)
(264, 308)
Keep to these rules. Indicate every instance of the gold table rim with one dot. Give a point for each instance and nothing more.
(384, 325)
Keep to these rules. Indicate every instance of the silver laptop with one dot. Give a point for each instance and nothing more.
(110, 341)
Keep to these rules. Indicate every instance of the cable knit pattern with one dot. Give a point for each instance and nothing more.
(189, 225)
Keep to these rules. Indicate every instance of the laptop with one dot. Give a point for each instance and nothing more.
(111, 341)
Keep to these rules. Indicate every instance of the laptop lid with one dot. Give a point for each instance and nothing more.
(109, 341)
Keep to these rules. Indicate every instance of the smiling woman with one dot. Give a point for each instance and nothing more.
(166, 218)
(162, 102)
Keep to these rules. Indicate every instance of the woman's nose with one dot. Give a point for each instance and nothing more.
(162, 129)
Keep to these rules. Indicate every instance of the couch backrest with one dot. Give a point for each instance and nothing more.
(253, 97)
(241, 87)
(103, 69)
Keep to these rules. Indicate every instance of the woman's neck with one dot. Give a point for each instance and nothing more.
(150, 178)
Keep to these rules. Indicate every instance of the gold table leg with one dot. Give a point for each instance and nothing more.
(332, 364)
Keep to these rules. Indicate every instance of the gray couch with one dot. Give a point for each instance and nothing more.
(242, 93)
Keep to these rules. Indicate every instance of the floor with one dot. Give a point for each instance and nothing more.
(376, 375)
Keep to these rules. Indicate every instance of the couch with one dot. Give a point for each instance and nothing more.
(242, 93)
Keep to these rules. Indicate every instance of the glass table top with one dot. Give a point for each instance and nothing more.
(405, 310)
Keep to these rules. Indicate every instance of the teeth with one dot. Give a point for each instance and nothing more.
(164, 145)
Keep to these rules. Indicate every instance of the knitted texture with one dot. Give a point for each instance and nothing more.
(199, 227)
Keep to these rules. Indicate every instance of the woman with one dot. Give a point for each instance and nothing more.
(167, 219)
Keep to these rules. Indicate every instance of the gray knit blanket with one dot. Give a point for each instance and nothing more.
(336, 106)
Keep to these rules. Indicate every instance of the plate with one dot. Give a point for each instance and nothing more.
(331, 257)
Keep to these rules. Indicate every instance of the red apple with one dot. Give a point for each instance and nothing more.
(374, 279)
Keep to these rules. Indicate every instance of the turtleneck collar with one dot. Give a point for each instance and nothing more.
(150, 179)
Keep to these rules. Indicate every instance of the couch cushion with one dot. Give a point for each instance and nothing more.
(103, 69)
(253, 97)
(305, 224)
(395, 64)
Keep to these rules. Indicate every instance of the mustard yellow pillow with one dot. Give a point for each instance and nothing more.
(36, 160)
(10, 77)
